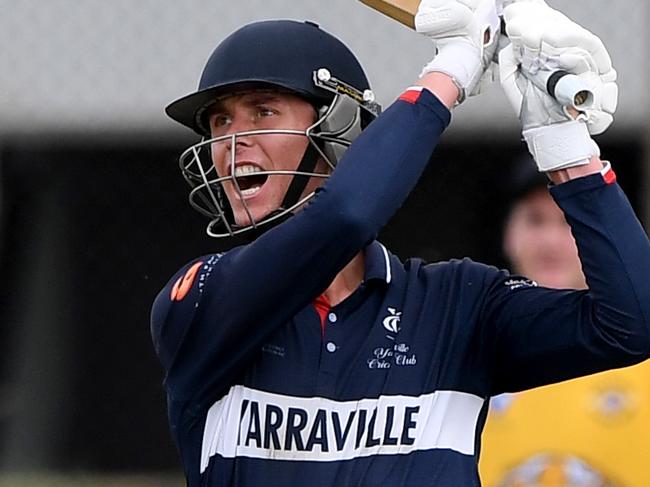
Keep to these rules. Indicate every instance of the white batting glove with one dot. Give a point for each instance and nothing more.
(465, 33)
(544, 39)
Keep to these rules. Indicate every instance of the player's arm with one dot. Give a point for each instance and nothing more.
(442, 86)
(538, 336)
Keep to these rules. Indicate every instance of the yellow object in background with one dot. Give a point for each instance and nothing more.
(588, 432)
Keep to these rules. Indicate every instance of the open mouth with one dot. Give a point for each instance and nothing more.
(250, 183)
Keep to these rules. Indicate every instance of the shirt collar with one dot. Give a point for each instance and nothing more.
(378, 265)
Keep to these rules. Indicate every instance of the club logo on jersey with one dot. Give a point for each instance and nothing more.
(399, 354)
(396, 353)
(184, 283)
(391, 322)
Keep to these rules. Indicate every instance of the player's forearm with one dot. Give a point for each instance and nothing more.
(441, 85)
(542, 336)
(563, 175)
(615, 255)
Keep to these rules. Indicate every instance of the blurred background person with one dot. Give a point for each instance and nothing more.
(570, 434)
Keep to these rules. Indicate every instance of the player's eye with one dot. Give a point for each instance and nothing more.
(265, 111)
(220, 120)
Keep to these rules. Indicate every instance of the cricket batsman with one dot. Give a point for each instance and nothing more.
(313, 356)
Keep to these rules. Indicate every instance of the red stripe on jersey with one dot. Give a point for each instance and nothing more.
(323, 306)
(610, 176)
(411, 95)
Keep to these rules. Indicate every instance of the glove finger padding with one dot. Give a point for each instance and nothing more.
(545, 39)
(458, 29)
(524, 96)
(444, 19)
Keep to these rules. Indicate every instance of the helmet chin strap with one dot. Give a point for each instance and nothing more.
(299, 183)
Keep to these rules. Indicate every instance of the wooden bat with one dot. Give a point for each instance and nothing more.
(564, 87)
(401, 10)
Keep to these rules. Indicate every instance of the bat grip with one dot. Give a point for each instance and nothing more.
(568, 89)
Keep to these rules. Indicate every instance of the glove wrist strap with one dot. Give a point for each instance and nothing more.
(561, 145)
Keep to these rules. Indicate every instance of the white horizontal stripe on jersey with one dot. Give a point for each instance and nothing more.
(256, 424)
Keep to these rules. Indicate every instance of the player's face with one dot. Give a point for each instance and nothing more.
(260, 110)
(539, 243)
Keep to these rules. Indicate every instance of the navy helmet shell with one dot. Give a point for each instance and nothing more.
(280, 54)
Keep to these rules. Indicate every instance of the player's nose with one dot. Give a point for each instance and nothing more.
(239, 125)
(237, 141)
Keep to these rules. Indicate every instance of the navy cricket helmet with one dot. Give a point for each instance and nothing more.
(283, 55)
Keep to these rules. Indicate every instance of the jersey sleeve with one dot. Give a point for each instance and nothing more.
(538, 336)
(250, 291)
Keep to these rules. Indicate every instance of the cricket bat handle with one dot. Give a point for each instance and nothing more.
(568, 89)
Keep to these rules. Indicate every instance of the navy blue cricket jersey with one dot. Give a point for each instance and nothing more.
(392, 389)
